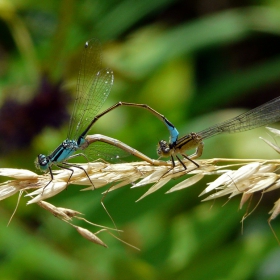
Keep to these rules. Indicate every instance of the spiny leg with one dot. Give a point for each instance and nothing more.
(188, 158)
(72, 164)
(49, 181)
(77, 166)
(182, 163)
(173, 166)
(67, 168)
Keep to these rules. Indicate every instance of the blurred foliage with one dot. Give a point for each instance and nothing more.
(188, 60)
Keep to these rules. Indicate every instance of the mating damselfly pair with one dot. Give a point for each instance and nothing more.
(93, 87)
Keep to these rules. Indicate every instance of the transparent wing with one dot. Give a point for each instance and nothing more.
(106, 151)
(262, 115)
(93, 87)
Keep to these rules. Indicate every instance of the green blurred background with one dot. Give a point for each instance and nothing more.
(198, 63)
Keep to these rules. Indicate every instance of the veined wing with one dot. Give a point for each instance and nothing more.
(93, 87)
(105, 151)
(264, 114)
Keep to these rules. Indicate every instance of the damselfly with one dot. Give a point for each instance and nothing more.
(260, 116)
(93, 87)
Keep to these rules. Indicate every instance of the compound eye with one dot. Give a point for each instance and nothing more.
(163, 149)
(65, 144)
(42, 161)
(159, 151)
(166, 150)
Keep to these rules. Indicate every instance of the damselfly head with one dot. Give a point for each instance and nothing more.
(164, 149)
(42, 162)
